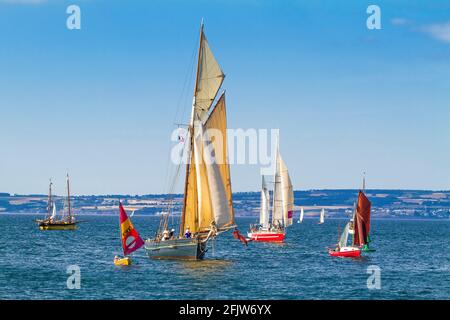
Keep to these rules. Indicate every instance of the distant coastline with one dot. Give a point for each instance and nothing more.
(338, 203)
(390, 218)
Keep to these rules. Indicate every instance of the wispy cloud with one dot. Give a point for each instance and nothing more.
(438, 31)
(399, 21)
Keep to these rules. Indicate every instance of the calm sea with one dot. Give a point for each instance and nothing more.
(413, 257)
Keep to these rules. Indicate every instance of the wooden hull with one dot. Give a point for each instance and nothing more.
(267, 236)
(57, 226)
(176, 249)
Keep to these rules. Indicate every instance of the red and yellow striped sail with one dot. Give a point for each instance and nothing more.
(131, 241)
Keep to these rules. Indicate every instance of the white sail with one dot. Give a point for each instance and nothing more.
(265, 204)
(344, 237)
(283, 194)
(277, 207)
(301, 215)
(53, 216)
(322, 216)
(287, 194)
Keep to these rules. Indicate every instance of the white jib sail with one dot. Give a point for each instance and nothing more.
(301, 214)
(344, 237)
(265, 204)
(53, 211)
(322, 216)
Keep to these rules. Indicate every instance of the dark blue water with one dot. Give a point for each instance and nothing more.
(414, 258)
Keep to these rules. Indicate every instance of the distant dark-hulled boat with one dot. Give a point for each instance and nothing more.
(67, 222)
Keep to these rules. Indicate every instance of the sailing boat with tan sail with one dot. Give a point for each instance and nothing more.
(207, 206)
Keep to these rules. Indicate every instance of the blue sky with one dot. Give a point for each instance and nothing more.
(101, 102)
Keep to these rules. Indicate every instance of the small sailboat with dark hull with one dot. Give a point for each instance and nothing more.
(207, 206)
(66, 222)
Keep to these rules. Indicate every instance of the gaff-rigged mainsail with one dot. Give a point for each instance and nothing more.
(362, 220)
(208, 198)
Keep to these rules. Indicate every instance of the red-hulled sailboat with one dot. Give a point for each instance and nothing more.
(359, 227)
(282, 211)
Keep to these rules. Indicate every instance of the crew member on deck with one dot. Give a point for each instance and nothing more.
(165, 235)
(188, 233)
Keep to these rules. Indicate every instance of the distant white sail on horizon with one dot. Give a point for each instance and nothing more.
(322, 216)
(301, 215)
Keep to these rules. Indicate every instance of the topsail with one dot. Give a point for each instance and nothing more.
(209, 77)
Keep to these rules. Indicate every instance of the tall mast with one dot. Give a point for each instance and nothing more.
(354, 222)
(191, 133)
(49, 205)
(364, 182)
(275, 179)
(68, 199)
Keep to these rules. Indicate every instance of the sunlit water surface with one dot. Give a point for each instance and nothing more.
(413, 256)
